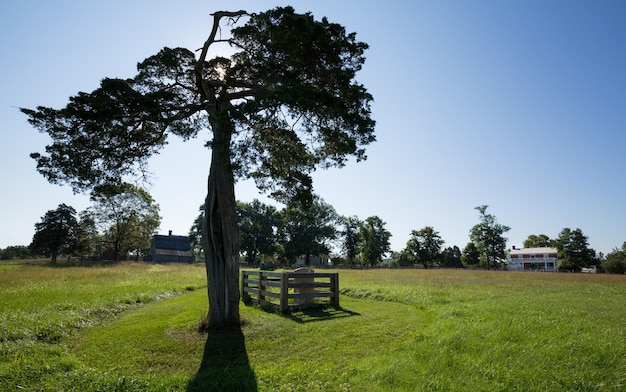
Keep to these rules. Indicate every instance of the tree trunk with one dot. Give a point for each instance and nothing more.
(220, 237)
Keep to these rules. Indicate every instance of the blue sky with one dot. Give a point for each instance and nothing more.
(520, 105)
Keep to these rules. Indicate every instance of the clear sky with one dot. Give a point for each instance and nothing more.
(520, 105)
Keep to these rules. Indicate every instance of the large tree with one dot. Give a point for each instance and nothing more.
(451, 257)
(258, 229)
(615, 261)
(126, 217)
(283, 104)
(538, 241)
(488, 236)
(470, 255)
(56, 233)
(308, 229)
(351, 237)
(374, 242)
(89, 240)
(573, 249)
(425, 246)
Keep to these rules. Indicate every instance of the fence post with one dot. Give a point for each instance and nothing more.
(335, 283)
(284, 292)
(243, 284)
(261, 297)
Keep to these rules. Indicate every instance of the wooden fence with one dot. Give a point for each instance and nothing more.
(289, 290)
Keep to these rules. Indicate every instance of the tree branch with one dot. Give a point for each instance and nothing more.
(217, 16)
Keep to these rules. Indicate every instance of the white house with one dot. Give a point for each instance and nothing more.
(533, 259)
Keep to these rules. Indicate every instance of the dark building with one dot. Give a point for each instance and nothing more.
(171, 249)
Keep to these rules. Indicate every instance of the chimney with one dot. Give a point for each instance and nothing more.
(513, 245)
(171, 234)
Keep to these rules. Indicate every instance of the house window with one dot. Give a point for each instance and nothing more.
(532, 256)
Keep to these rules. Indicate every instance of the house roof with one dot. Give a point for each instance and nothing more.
(529, 251)
(172, 245)
(172, 242)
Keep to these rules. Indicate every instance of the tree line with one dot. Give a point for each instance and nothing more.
(121, 222)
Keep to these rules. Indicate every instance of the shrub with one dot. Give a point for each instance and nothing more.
(615, 263)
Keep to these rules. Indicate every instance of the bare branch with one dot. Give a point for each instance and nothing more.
(217, 16)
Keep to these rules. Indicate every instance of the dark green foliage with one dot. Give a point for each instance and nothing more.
(308, 110)
(100, 137)
(573, 250)
(56, 233)
(451, 257)
(258, 228)
(424, 247)
(308, 229)
(126, 217)
(195, 234)
(15, 252)
(374, 241)
(351, 237)
(470, 255)
(615, 262)
(538, 241)
(488, 238)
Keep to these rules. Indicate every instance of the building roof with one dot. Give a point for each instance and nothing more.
(164, 247)
(179, 243)
(536, 251)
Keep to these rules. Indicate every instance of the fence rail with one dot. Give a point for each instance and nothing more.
(288, 290)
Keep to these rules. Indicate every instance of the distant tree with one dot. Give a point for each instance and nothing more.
(351, 237)
(538, 241)
(451, 257)
(285, 103)
(470, 255)
(402, 258)
(615, 261)
(195, 234)
(424, 246)
(308, 229)
(89, 241)
(15, 252)
(488, 238)
(573, 250)
(374, 240)
(126, 217)
(56, 233)
(258, 228)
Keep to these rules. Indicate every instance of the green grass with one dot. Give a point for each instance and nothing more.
(133, 327)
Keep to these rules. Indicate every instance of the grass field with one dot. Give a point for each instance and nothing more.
(133, 327)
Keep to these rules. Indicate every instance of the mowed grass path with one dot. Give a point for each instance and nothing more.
(132, 327)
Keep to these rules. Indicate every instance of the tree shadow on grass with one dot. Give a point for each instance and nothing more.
(225, 365)
(320, 314)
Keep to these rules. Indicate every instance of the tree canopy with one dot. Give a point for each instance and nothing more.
(126, 217)
(424, 246)
(308, 229)
(573, 249)
(374, 240)
(351, 238)
(56, 233)
(258, 228)
(615, 262)
(470, 255)
(538, 241)
(285, 103)
(488, 238)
